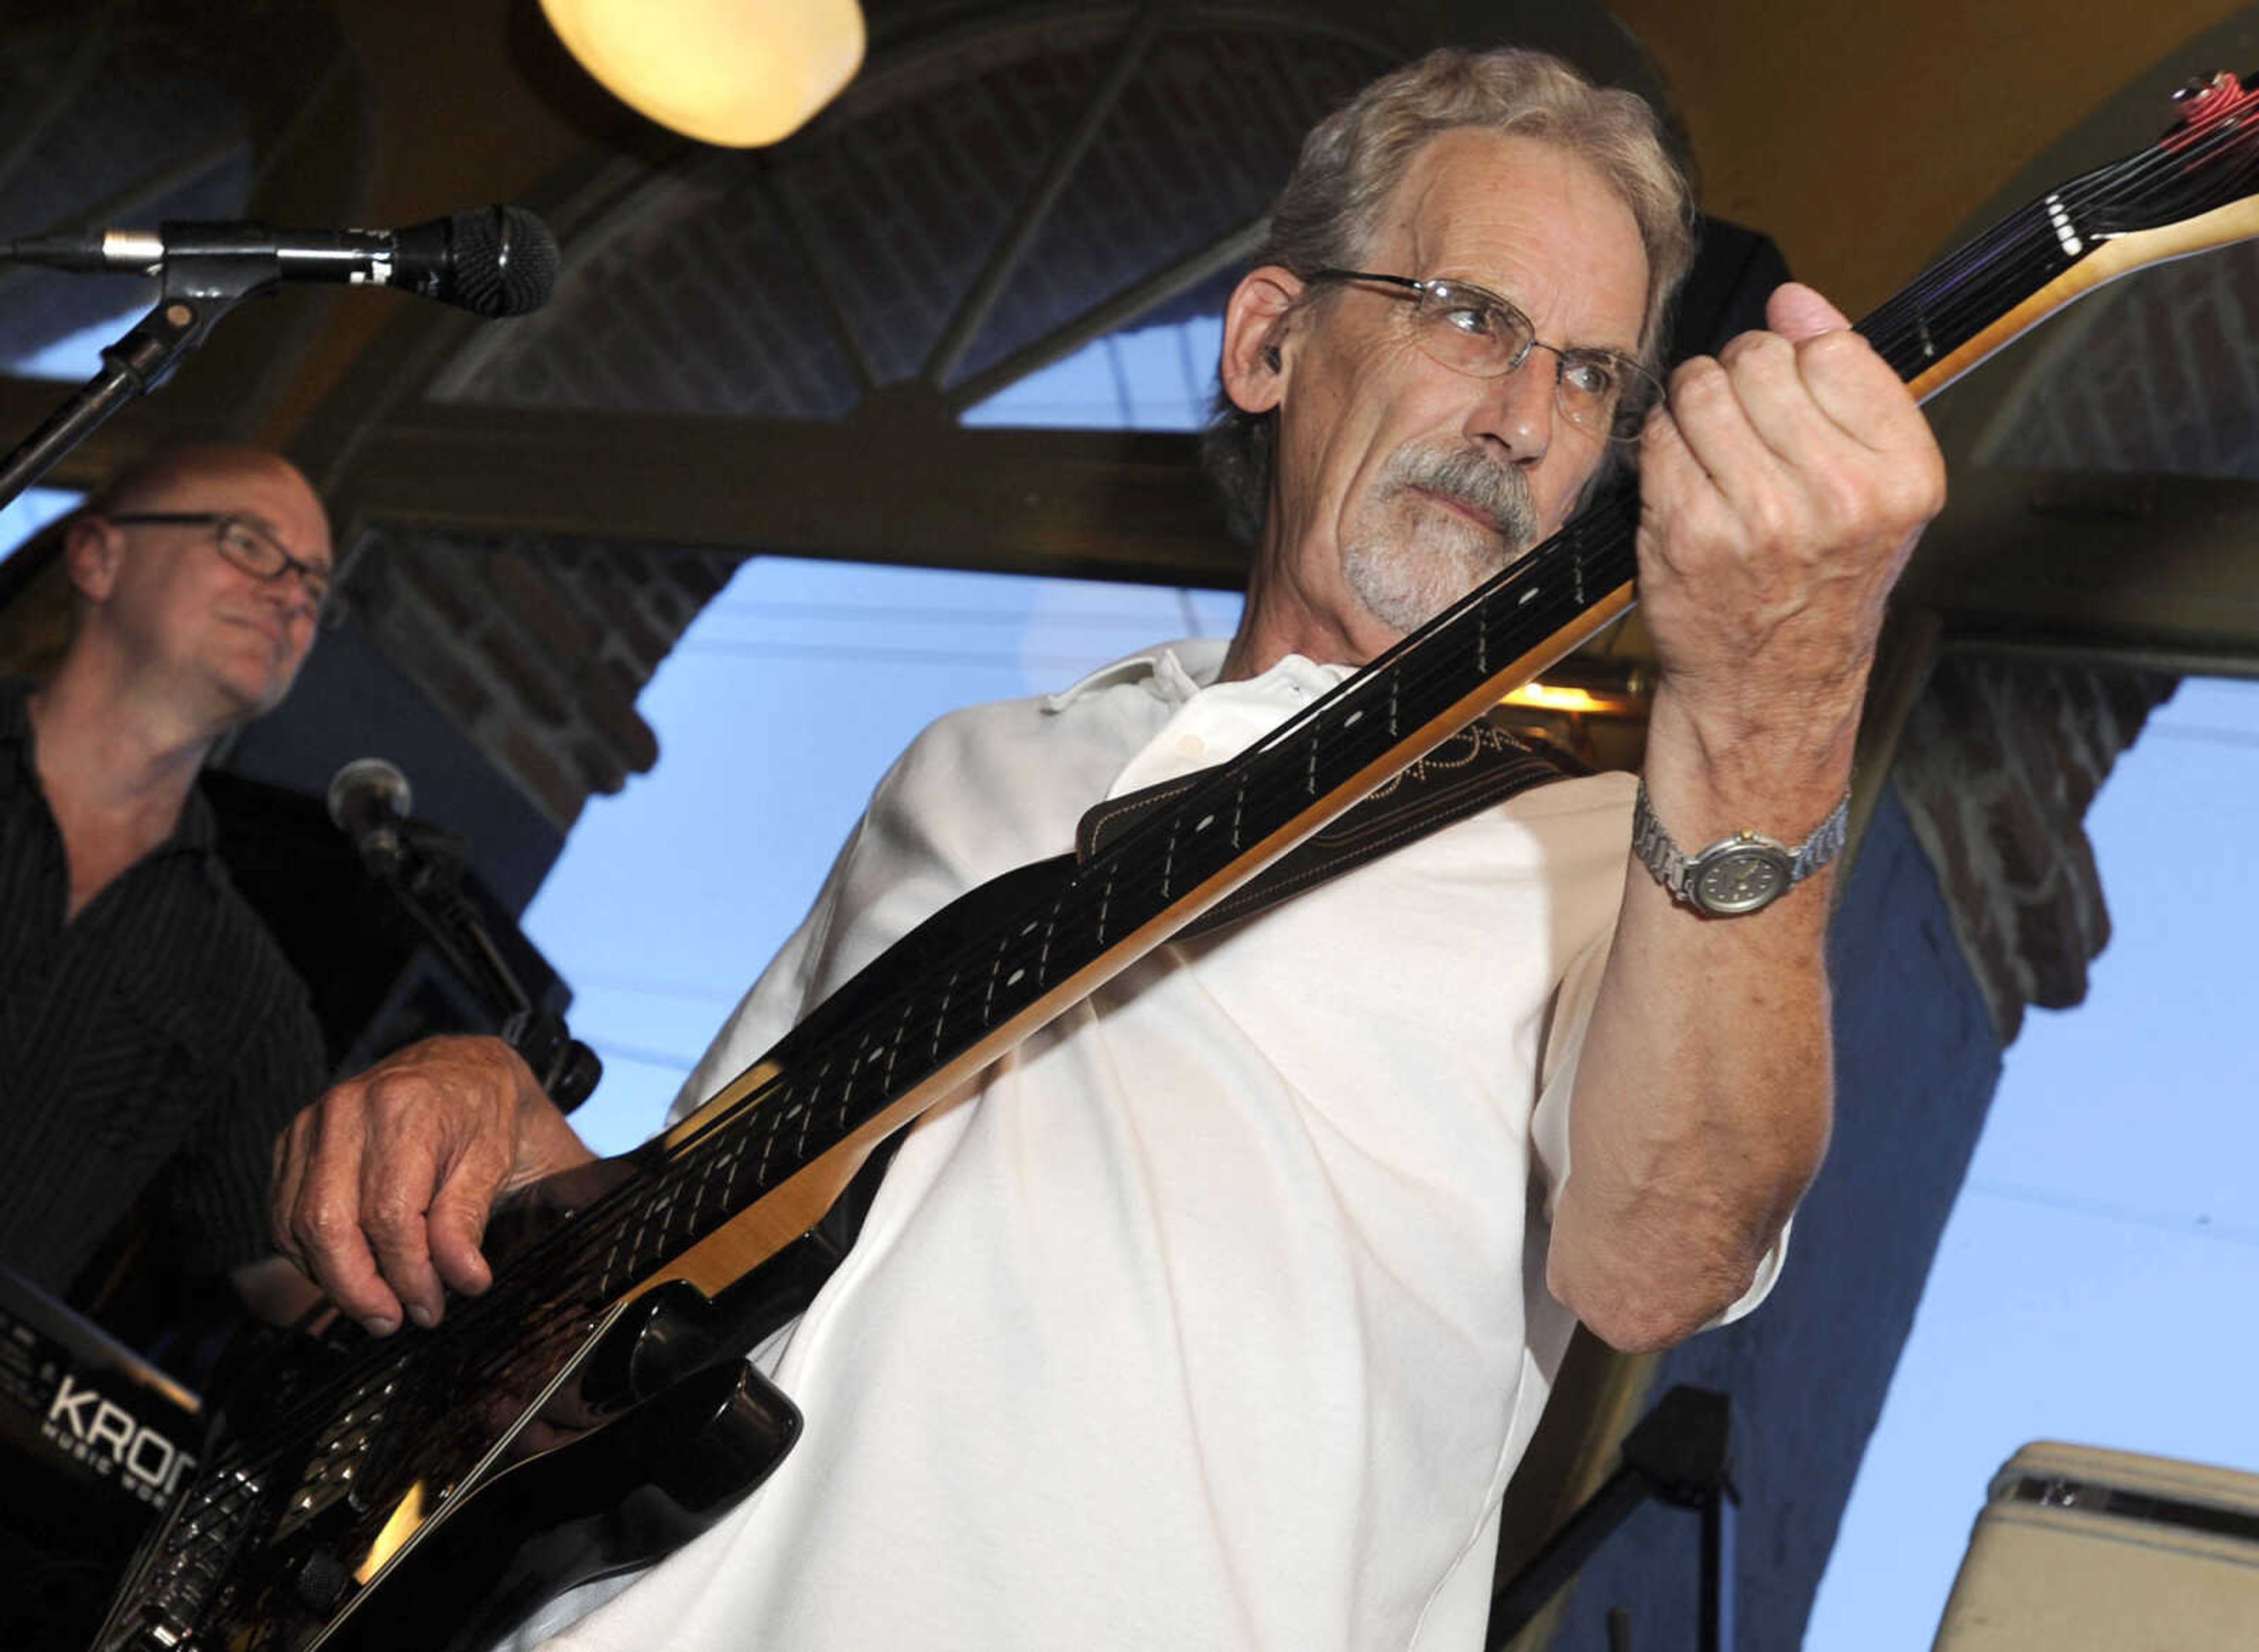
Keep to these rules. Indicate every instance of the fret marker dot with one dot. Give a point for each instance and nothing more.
(1206, 821)
(1350, 722)
(1013, 980)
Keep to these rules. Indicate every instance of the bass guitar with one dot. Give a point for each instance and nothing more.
(415, 1491)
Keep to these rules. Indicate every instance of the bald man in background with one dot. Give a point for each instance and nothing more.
(152, 1037)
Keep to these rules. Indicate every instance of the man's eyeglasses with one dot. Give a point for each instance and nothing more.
(1471, 330)
(247, 545)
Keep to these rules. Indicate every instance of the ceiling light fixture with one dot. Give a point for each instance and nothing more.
(738, 73)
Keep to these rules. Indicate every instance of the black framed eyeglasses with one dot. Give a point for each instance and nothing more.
(248, 546)
(1472, 329)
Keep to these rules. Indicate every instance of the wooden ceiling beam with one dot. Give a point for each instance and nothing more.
(140, 427)
(890, 487)
(2096, 562)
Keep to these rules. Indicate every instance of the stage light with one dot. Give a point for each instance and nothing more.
(1546, 697)
(399, 1526)
(732, 72)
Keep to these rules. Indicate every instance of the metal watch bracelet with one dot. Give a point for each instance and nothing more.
(1738, 874)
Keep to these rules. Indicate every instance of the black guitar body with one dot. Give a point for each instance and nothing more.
(661, 1429)
(613, 1501)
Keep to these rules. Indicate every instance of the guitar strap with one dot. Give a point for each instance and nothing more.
(1479, 765)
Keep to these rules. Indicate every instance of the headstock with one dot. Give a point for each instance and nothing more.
(2209, 106)
(2209, 158)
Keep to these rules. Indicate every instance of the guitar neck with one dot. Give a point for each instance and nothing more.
(2185, 195)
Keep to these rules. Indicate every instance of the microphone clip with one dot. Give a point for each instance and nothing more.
(194, 294)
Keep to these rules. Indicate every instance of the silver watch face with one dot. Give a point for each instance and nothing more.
(1736, 878)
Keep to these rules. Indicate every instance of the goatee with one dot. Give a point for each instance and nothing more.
(1406, 582)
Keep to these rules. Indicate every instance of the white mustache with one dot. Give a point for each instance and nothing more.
(1499, 492)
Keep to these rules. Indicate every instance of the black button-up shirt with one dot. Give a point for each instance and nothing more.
(157, 1040)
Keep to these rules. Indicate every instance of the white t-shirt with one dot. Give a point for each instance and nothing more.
(1213, 1316)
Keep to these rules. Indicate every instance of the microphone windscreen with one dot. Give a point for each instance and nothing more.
(367, 791)
(503, 261)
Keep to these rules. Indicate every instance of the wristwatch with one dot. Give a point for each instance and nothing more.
(1745, 872)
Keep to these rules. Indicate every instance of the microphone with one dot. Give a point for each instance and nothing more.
(496, 260)
(368, 802)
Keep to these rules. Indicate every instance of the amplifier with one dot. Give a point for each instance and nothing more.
(2080, 1549)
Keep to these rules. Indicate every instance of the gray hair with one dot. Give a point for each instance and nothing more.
(1354, 157)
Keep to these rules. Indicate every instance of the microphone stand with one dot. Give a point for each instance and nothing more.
(1680, 1454)
(423, 867)
(196, 292)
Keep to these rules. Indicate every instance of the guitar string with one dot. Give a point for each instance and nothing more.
(2024, 236)
(1906, 310)
(2028, 225)
(2133, 180)
(2091, 195)
(2099, 196)
(2022, 233)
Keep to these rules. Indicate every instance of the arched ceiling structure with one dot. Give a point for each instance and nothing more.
(131, 112)
(749, 352)
(742, 342)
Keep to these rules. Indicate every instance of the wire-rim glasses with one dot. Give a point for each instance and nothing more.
(1472, 329)
(248, 546)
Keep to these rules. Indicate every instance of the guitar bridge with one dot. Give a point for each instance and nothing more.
(189, 1556)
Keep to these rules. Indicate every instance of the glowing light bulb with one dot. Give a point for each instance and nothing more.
(733, 72)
